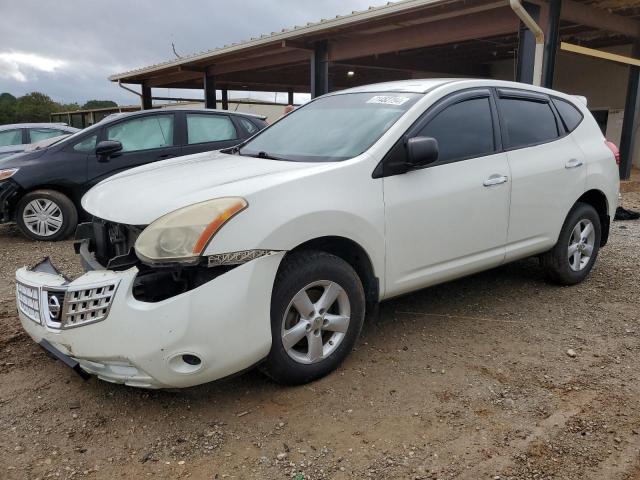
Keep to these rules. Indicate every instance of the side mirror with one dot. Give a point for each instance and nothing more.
(106, 149)
(422, 151)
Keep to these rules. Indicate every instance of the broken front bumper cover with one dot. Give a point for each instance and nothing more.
(224, 324)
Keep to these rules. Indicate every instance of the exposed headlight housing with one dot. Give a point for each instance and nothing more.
(183, 235)
(7, 173)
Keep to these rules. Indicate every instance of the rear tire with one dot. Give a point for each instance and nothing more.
(46, 215)
(317, 312)
(572, 258)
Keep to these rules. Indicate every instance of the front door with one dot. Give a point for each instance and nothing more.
(144, 139)
(450, 218)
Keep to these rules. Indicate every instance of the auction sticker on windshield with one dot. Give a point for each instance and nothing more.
(388, 100)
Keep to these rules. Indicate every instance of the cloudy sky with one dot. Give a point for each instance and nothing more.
(68, 48)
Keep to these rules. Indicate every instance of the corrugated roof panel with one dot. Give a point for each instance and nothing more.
(297, 31)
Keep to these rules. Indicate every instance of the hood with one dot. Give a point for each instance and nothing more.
(20, 159)
(141, 195)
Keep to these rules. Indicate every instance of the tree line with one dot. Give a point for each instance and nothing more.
(36, 107)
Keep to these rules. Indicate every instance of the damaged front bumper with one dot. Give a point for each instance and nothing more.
(210, 332)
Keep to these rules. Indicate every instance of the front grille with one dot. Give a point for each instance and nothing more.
(62, 308)
(87, 305)
(28, 301)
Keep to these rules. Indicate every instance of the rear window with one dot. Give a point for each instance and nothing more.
(527, 122)
(38, 134)
(209, 128)
(570, 115)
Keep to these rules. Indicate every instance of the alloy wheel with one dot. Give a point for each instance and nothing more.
(315, 322)
(581, 245)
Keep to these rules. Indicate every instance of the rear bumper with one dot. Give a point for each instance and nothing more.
(225, 323)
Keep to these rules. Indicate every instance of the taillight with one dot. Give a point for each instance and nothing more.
(614, 149)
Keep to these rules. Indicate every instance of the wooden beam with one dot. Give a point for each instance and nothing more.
(209, 83)
(417, 64)
(282, 58)
(297, 45)
(145, 99)
(169, 78)
(499, 21)
(592, 52)
(191, 68)
(598, 18)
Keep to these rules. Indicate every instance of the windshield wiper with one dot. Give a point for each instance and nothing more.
(268, 156)
(262, 154)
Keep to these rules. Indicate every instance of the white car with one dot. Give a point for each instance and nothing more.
(273, 252)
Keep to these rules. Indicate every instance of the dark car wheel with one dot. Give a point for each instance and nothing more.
(317, 311)
(572, 258)
(46, 215)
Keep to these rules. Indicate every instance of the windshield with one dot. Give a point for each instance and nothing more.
(331, 129)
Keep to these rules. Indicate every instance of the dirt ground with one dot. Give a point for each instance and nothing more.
(467, 380)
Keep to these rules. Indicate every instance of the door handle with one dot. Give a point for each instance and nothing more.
(166, 155)
(495, 180)
(573, 163)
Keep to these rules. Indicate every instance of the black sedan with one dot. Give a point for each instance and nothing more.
(41, 190)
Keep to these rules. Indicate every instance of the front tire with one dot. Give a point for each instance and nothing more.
(46, 215)
(317, 312)
(572, 258)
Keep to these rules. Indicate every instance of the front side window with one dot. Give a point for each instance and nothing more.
(203, 128)
(331, 129)
(37, 134)
(527, 122)
(143, 133)
(463, 130)
(87, 145)
(570, 115)
(10, 137)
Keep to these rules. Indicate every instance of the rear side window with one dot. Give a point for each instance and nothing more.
(143, 133)
(570, 115)
(209, 128)
(248, 125)
(37, 134)
(527, 122)
(10, 137)
(463, 130)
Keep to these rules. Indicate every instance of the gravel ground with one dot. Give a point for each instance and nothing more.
(496, 376)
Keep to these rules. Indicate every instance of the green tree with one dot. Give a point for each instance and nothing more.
(7, 108)
(34, 107)
(93, 104)
(67, 107)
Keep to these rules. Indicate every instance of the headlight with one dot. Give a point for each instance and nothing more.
(8, 173)
(182, 236)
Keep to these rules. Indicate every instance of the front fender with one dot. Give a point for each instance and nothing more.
(343, 202)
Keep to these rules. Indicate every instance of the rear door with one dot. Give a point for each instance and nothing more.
(547, 167)
(145, 139)
(206, 131)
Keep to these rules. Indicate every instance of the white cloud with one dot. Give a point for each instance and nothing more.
(14, 65)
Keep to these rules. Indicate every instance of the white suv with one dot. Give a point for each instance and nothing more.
(273, 252)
